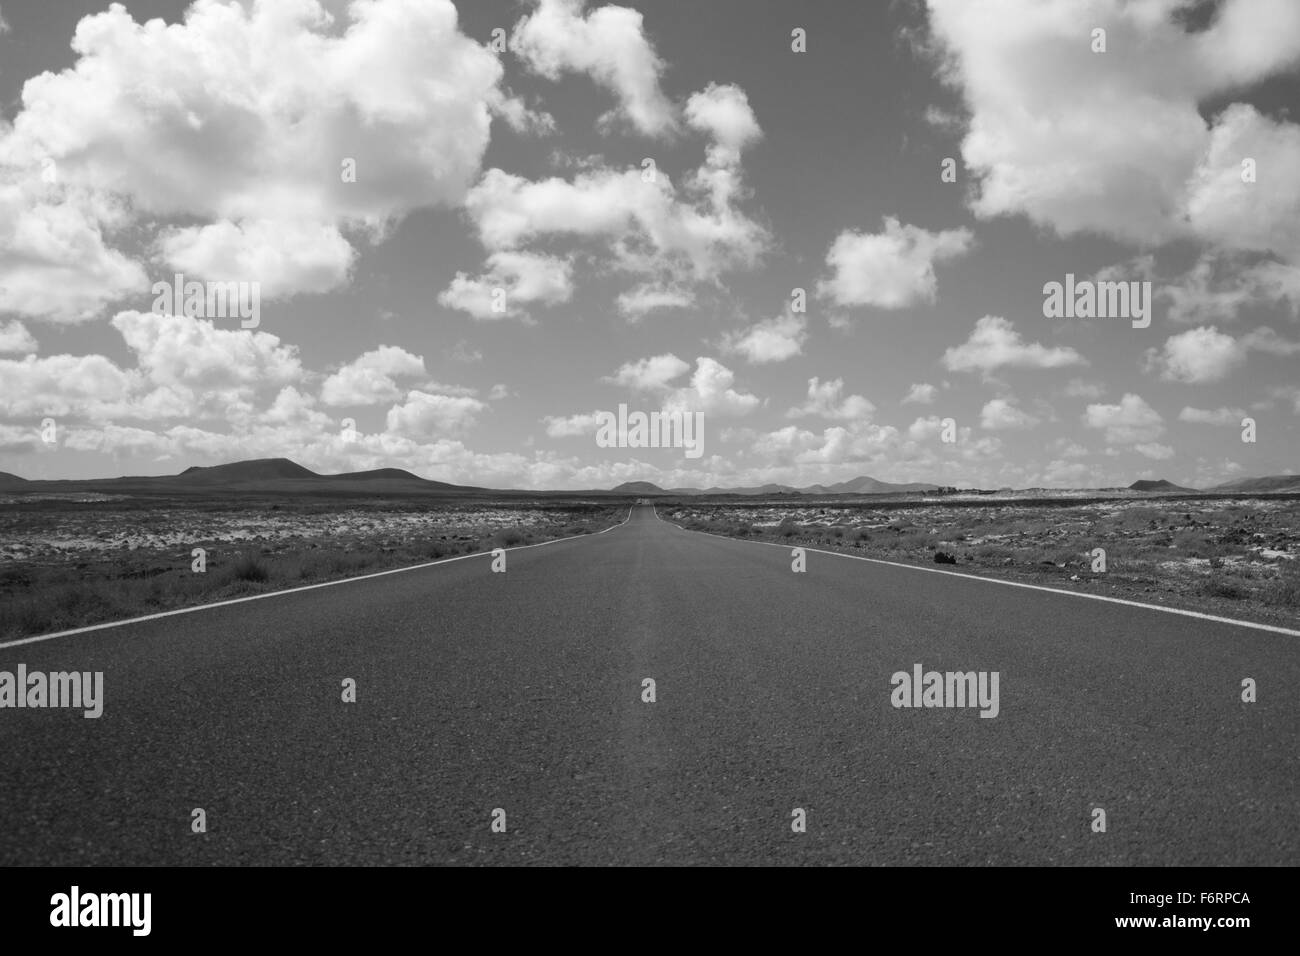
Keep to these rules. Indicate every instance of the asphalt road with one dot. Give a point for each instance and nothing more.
(523, 691)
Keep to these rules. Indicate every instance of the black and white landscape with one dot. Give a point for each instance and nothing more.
(676, 433)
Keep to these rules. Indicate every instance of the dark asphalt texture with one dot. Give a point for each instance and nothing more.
(522, 691)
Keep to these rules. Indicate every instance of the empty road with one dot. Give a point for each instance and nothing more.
(523, 691)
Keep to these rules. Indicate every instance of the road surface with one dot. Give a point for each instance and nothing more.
(523, 691)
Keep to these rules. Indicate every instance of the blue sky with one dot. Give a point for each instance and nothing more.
(212, 141)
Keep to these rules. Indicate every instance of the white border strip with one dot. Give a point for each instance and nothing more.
(305, 587)
(1014, 584)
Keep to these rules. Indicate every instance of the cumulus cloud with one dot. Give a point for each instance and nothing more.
(995, 344)
(652, 297)
(573, 426)
(670, 236)
(80, 385)
(648, 374)
(1217, 416)
(284, 257)
(14, 337)
(1081, 388)
(891, 269)
(769, 340)
(370, 379)
(261, 103)
(1196, 356)
(424, 416)
(193, 354)
(1001, 414)
(723, 113)
(610, 46)
(825, 400)
(921, 393)
(1154, 450)
(1133, 158)
(514, 280)
(710, 391)
(1131, 422)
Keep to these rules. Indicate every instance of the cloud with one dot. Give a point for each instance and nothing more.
(285, 257)
(671, 236)
(995, 344)
(573, 426)
(649, 374)
(1217, 416)
(369, 379)
(1133, 158)
(190, 353)
(260, 103)
(514, 279)
(892, 269)
(1131, 422)
(723, 113)
(1197, 356)
(1264, 215)
(921, 393)
(710, 392)
(425, 416)
(1079, 388)
(1154, 450)
(55, 261)
(825, 401)
(63, 385)
(1001, 414)
(652, 297)
(770, 340)
(610, 46)
(14, 337)
(646, 224)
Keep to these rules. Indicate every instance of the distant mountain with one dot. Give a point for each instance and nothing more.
(378, 473)
(638, 488)
(259, 475)
(864, 485)
(1272, 484)
(856, 486)
(1159, 485)
(257, 469)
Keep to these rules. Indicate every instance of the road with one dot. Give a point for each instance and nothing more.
(523, 691)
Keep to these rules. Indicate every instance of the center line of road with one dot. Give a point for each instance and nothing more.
(306, 587)
(1014, 584)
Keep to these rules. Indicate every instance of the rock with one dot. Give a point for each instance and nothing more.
(943, 557)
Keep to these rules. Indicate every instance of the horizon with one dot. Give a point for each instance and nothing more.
(667, 490)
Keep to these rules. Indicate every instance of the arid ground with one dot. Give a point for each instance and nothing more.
(77, 559)
(1234, 557)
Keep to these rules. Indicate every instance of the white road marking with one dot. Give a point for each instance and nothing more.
(1014, 584)
(306, 587)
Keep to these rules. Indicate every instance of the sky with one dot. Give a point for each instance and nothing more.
(827, 228)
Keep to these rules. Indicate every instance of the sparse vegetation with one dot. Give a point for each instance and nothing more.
(68, 564)
(1231, 557)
